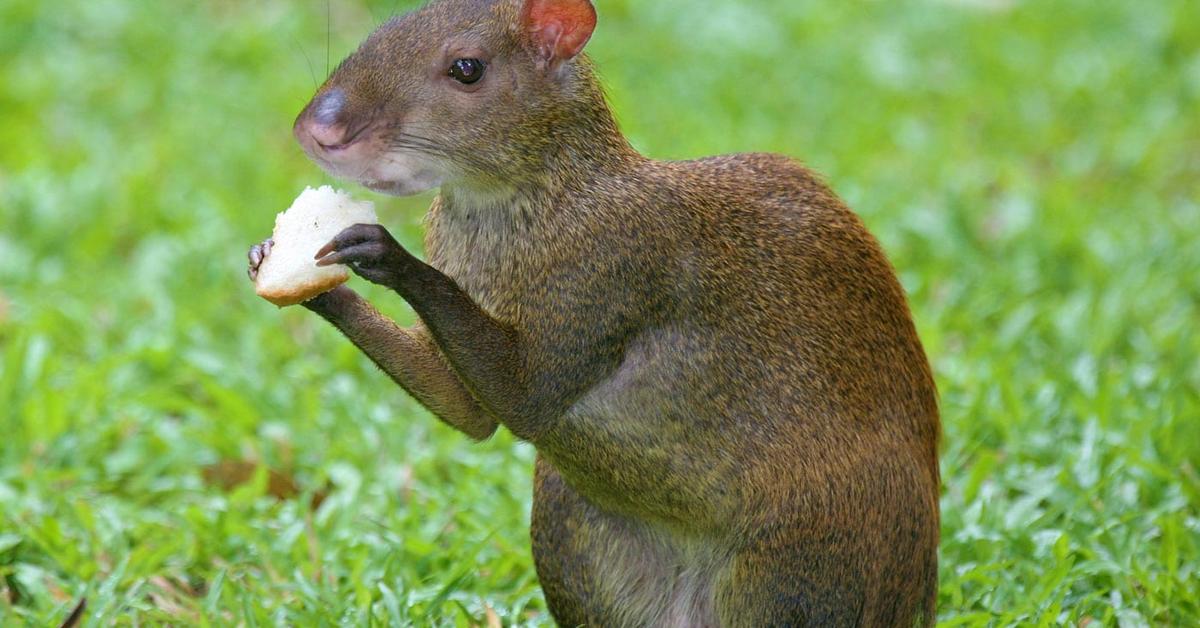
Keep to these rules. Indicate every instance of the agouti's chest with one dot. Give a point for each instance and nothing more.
(485, 252)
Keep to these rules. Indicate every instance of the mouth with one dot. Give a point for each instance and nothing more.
(394, 174)
(386, 187)
(337, 162)
(346, 162)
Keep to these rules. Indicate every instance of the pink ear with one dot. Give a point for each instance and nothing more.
(559, 28)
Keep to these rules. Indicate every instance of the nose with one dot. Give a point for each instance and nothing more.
(328, 106)
(322, 125)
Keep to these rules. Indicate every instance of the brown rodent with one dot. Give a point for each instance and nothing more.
(735, 420)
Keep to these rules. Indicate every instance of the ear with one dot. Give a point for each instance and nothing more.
(559, 29)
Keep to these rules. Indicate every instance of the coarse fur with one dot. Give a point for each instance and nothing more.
(735, 420)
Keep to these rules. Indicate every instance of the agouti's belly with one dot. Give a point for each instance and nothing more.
(651, 579)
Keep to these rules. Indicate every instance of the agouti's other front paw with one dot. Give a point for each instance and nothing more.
(369, 250)
(257, 254)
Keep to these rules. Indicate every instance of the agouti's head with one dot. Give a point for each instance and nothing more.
(463, 91)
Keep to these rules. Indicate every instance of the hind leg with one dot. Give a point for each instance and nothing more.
(866, 557)
(782, 581)
(816, 583)
(562, 568)
(602, 569)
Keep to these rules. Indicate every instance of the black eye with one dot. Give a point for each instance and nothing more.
(466, 71)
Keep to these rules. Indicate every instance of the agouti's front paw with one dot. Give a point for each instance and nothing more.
(257, 254)
(369, 250)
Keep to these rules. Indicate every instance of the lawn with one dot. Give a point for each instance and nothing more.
(1032, 169)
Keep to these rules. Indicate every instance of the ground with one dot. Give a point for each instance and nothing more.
(1031, 168)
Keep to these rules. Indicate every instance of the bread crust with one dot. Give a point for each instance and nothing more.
(303, 291)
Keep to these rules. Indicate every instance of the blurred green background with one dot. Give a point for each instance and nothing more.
(1032, 168)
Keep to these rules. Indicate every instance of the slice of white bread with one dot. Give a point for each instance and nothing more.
(290, 275)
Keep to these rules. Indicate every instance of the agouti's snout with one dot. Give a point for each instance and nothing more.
(323, 128)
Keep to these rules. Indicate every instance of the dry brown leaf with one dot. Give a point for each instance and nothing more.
(76, 614)
(56, 592)
(229, 474)
(10, 590)
(493, 620)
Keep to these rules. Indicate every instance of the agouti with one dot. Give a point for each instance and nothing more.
(735, 420)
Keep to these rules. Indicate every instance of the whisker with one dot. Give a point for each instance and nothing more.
(404, 140)
(312, 72)
(431, 143)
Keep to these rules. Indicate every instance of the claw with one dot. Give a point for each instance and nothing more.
(334, 258)
(369, 252)
(351, 236)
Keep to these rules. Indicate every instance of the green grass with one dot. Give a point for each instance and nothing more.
(1032, 168)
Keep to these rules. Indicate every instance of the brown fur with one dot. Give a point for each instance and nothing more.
(735, 420)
